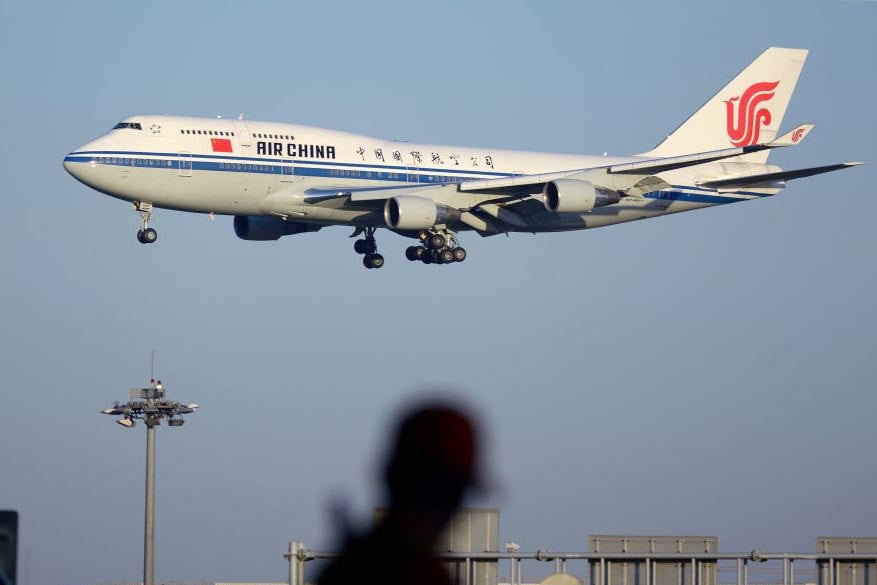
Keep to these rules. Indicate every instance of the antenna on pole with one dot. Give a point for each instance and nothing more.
(152, 364)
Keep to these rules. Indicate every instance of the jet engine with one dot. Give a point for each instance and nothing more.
(408, 212)
(575, 196)
(262, 228)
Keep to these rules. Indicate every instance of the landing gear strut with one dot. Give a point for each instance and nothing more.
(145, 235)
(369, 248)
(438, 246)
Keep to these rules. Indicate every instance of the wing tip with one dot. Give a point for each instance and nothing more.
(794, 136)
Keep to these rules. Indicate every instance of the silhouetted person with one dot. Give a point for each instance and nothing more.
(432, 464)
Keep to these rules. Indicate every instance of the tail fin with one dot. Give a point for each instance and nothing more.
(749, 109)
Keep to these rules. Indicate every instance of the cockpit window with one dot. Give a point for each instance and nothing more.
(131, 125)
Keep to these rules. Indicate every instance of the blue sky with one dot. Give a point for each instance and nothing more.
(706, 373)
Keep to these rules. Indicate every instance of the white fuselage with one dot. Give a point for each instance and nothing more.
(242, 167)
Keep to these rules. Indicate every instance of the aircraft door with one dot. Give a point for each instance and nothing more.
(185, 164)
(125, 165)
(414, 173)
(287, 170)
(662, 200)
(242, 133)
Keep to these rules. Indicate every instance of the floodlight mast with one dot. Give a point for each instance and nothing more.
(150, 405)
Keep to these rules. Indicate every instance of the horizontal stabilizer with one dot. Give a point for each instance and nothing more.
(766, 178)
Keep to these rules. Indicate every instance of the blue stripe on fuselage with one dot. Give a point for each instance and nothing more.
(275, 161)
(342, 170)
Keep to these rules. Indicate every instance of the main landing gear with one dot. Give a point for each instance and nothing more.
(438, 246)
(145, 235)
(369, 248)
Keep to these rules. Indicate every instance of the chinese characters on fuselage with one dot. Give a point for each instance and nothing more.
(436, 158)
(298, 150)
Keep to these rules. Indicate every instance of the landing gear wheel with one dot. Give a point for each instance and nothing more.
(439, 246)
(368, 247)
(373, 261)
(145, 235)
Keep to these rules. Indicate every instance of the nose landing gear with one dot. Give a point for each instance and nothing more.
(145, 235)
(438, 246)
(369, 248)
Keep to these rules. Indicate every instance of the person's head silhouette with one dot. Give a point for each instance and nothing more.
(433, 461)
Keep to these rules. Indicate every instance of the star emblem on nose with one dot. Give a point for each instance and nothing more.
(155, 129)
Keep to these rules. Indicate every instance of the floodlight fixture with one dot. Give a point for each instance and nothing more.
(150, 405)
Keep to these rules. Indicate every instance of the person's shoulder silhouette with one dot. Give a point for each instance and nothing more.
(431, 465)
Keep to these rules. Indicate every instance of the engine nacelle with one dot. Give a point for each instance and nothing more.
(408, 212)
(262, 228)
(575, 196)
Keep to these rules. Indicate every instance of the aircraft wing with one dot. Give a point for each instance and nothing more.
(644, 167)
(628, 178)
(361, 194)
(494, 205)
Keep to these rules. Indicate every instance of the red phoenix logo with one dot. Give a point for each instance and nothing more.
(744, 123)
(796, 135)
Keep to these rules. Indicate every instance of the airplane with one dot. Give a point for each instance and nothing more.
(283, 179)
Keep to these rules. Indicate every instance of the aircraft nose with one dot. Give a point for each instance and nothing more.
(75, 162)
(68, 165)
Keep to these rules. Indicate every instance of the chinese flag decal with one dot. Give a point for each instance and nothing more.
(220, 144)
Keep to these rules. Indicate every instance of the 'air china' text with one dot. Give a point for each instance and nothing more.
(294, 150)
